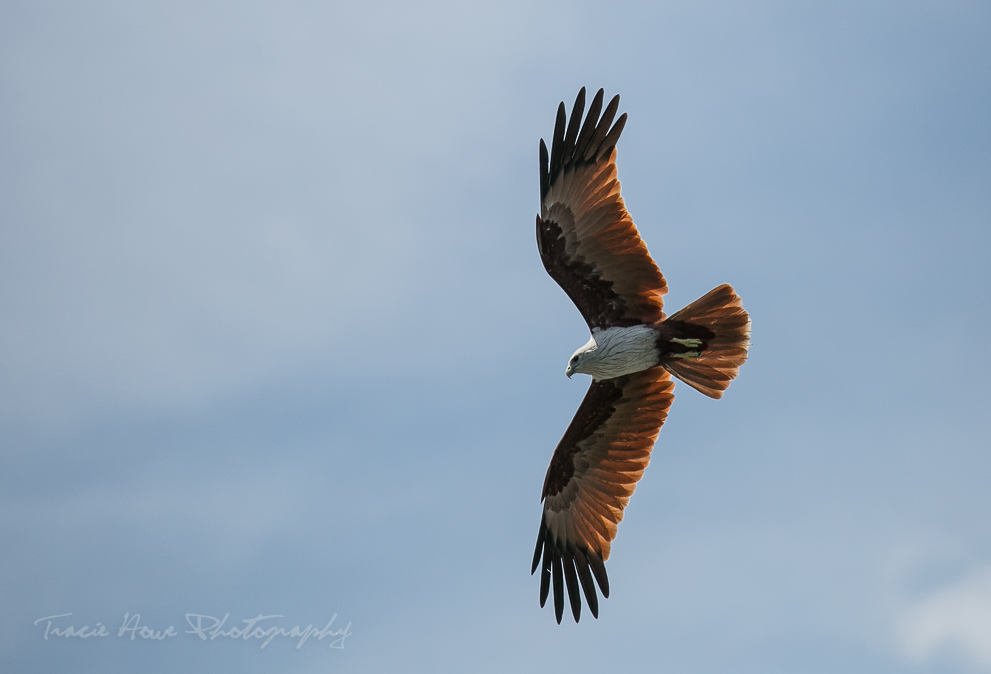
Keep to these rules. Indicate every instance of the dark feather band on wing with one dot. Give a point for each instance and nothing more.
(592, 474)
(594, 296)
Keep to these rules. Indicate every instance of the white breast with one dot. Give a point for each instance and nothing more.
(614, 352)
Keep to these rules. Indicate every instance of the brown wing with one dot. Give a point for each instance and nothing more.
(586, 238)
(592, 475)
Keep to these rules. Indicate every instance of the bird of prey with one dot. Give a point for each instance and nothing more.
(590, 246)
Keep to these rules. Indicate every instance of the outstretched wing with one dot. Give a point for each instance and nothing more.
(592, 475)
(586, 238)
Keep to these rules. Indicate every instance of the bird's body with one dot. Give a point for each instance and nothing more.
(590, 246)
(613, 352)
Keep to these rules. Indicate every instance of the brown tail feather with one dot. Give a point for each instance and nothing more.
(721, 312)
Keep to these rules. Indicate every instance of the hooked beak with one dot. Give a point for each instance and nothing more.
(569, 372)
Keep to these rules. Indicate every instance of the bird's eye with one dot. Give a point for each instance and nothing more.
(574, 359)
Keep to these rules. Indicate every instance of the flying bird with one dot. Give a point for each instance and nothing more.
(590, 246)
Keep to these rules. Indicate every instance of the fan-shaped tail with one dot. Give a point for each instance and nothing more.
(720, 312)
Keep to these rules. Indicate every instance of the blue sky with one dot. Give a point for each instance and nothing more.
(275, 338)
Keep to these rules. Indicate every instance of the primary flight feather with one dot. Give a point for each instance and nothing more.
(590, 246)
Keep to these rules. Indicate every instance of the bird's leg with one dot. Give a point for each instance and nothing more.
(693, 346)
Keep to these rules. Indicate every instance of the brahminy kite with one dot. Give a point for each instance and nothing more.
(590, 246)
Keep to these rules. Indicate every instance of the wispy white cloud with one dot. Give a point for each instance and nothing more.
(952, 621)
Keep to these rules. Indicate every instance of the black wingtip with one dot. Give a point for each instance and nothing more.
(558, 587)
(588, 585)
(609, 142)
(541, 534)
(573, 125)
(571, 579)
(557, 142)
(545, 573)
(571, 570)
(575, 141)
(602, 129)
(545, 174)
(599, 571)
